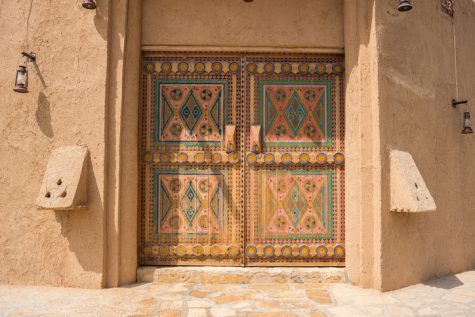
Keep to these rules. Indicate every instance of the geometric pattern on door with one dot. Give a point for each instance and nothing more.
(191, 217)
(295, 184)
(192, 111)
(191, 202)
(294, 202)
(295, 115)
(203, 203)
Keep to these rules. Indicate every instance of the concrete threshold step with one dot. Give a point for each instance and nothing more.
(240, 275)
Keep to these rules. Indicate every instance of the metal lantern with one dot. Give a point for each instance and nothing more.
(467, 123)
(21, 80)
(89, 4)
(404, 5)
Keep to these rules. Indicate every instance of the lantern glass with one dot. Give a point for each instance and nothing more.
(89, 4)
(21, 81)
(404, 5)
(467, 123)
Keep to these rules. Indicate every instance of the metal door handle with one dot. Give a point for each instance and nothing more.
(256, 135)
(230, 138)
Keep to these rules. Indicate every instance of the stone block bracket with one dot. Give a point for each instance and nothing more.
(409, 192)
(64, 181)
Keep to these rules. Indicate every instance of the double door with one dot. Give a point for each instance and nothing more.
(242, 160)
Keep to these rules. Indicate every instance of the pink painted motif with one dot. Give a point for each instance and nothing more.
(190, 204)
(294, 205)
(295, 113)
(191, 112)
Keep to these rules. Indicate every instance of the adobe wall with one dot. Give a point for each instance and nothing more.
(86, 91)
(362, 145)
(262, 23)
(65, 106)
(416, 85)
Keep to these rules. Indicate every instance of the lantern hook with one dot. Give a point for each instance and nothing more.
(31, 57)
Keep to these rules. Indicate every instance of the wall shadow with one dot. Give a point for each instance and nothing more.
(448, 282)
(100, 19)
(83, 227)
(43, 115)
(40, 75)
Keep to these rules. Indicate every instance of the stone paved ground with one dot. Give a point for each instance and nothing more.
(451, 296)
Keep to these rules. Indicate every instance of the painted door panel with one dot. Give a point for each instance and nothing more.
(191, 117)
(294, 206)
(243, 160)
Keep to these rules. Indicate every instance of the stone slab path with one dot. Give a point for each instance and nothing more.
(450, 296)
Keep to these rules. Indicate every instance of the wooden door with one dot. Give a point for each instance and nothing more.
(294, 160)
(192, 128)
(243, 160)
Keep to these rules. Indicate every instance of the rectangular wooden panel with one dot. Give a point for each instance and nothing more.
(190, 111)
(295, 114)
(193, 217)
(293, 217)
(189, 213)
(295, 182)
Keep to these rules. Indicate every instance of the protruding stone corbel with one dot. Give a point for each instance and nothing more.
(65, 179)
(409, 192)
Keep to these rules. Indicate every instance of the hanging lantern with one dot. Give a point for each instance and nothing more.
(21, 80)
(89, 4)
(404, 5)
(467, 123)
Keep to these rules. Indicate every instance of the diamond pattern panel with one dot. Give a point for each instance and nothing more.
(190, 204)
(190, 112)
(296, 115)
(294, 204)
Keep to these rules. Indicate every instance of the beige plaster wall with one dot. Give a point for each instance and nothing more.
(84, 91)
(65, 106)
(121, 141)
(232, 23)
(400, 80)
(362, 145)
(416, 84)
